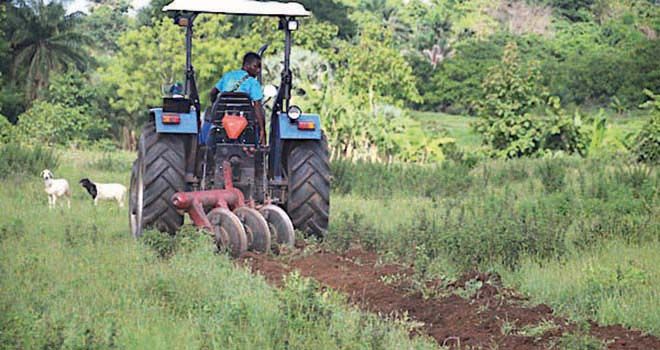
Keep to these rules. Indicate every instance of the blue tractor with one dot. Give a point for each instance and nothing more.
(246, 194)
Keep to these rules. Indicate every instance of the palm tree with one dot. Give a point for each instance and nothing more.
(388, 13)
(45, 40)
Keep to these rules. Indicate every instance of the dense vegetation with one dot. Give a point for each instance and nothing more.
(520, 137)
(362, 64)
(76, 279)
(578, 235)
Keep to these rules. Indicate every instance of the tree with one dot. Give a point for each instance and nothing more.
(106, 22)
(512, 93)
(333, 12)
(152, 14)
(574, 10)
(375, 68)
(48, 123)
(45, 40)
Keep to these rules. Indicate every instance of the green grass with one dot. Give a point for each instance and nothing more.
(455, 126)
(619, 127)
(577, 234)
(613, 283)
(76, 279)
(534, 219)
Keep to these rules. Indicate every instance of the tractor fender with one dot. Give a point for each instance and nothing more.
(293, 130)
(174, 123)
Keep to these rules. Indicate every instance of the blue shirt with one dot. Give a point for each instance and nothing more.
(250, 86)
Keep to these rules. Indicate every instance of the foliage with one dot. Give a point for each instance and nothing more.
(17, 160)
(153, 56)
(512, 93)
(455, 85)
(552, 174)
(334, 12)
(375, 68)
(76, 279)
(6, 130)
(44, 40)
(647, 143)
(573, 10)
(110, 162)
(46, 123)
(106, 22)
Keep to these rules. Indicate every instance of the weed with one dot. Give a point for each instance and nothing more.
(470, 288)
(110, 162)
(538, 330)
(17, 160)
(552, 173)
(579, 342)
(508, 327)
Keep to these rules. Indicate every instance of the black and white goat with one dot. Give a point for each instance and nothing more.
(55, 188)
(100, 191)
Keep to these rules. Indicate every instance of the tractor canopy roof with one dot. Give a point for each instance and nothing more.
(240, 7)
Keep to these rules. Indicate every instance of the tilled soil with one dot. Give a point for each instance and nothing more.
(474, 312)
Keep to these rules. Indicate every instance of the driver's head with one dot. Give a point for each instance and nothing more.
(252, 63)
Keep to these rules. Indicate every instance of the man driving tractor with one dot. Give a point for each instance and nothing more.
(245, 80)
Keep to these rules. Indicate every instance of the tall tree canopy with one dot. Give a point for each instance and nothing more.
(44, 39)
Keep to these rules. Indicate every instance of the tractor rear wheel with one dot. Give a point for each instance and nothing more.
(157, 174)
(308, 173)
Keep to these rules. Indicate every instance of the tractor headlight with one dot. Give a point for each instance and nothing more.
(292, 25)
(294, 112)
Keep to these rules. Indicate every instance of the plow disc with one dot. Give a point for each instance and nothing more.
(281, 227)
(256, 229)
(228, 231)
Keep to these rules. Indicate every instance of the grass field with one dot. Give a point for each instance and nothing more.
(581, 235)
(619, 127)
(584, 241)
(455, 126)
(76, 279)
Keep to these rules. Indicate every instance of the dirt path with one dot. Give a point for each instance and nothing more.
(490, 316)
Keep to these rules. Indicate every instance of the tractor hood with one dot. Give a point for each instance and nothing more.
(240, 7)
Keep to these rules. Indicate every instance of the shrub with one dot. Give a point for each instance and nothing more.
(6, 130)
(552, 173)
(110, 162)
(647, 143)
(16, 159)
(512, 93)
(47, 123)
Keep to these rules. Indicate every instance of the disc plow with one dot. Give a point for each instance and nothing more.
(235, 224)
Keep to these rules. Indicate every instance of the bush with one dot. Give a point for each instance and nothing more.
(397, 179)
(112, 163)
(512, 93)
(17, 160)
(6, 130)
(47, 123)
(552, 174)
(647, 143)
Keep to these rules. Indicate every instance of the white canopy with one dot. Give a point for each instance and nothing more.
(240, 7)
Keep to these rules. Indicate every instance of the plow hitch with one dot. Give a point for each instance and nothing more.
(234, 225)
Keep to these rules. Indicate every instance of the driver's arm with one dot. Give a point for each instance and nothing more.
(259, 112)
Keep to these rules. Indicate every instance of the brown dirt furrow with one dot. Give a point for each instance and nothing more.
(491, 317)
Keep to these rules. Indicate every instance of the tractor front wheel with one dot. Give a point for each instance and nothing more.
(157, 174)
(308, 173)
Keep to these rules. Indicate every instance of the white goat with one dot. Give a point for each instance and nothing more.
(105, 191)
(56, 188)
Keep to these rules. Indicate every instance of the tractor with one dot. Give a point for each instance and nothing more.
(246, 195)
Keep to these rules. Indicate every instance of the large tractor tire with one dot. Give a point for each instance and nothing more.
(308, 173)
(157, 174)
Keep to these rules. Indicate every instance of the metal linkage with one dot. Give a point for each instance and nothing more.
(194, 202)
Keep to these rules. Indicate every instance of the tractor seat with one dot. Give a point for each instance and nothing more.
(234, 103)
